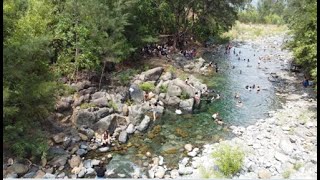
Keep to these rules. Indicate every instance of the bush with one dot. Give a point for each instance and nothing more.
(124, 77)
(147, 86)
(163, 89)
(86, 105)
(228, 159)
(184, 95)
(113, 105)
(286, 174)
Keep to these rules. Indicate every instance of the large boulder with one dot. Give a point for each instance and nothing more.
(174, 90)
(83, 117)
(130, 129)
(135, 114)
(136, 93)
(144, 123)
(152, 74)
(19, 169)
(62, 106)
(121, 168)
(166, 76)
(123, 137)
(101, 102)
(98, 95)
(103, 112)
(197, 84)
(82, 85)
(184, 87)
(187, 104)
(59, 160)
(172, 101)
(109, 123)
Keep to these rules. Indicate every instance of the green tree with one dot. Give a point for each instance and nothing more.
(301, 17)
(28, 85)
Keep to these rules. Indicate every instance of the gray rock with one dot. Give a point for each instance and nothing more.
(264, 174)
(135, 114)
(280, 157)
(152, 74)
(59, 138)
(82, 85)
(90, 173)
(188, 147)
(108, 123)
(101, 102)
(172, 101)
(136, 94)
(49, 176)
(95, 162)
(12, 175)
(160, 172)
(87, 163)
(144, 123)
(59, 160)
(184, 87)
(98, 95)
(104, 149)
(103, 112)
(118, 165)
(173, 90)
(130, 129)
(74, 161)
(83, 117)
(166, 76)
(61, 175)
(123, 137)
(19, 168)
(286, 146)
(81, 152)
(62, 106)
(82, 173)
(174, 174)
(29, 175)
(187, 104)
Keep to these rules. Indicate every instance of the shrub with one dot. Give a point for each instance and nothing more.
(297, 166)
(184, 95)
(124, 77)
(86, 105)
(113, 105)
(228, 159)
(147, 86)
(163, 89)
(286, 174)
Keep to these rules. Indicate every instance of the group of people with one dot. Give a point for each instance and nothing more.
(189, 54)
(157, 50)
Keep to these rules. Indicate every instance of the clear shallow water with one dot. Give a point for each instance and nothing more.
(168, 135)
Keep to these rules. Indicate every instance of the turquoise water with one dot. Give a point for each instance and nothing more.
(168, 135)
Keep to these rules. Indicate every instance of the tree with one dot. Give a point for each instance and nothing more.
(301, 17)
(28, 84)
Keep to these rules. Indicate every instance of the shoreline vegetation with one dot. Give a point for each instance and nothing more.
(66, 80)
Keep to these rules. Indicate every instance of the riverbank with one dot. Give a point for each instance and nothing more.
(281, 146)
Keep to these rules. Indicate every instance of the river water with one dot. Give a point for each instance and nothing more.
(168, 135)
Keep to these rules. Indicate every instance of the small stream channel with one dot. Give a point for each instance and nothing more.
(168, 135)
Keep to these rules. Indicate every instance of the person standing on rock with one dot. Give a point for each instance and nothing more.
(100, 170)
(106, 139)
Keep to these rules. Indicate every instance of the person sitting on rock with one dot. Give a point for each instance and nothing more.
(106, 139)
(197, 98)
(100, 170)
(146, 96)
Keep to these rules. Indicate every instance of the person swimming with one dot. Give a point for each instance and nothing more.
(239, 104)
(248, 60)
(247, 86)
(258, 89)
(253, 86)
(237, 95)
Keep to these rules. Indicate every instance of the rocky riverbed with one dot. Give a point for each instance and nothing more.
(283, 145)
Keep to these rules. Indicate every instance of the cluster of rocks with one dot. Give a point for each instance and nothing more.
(91, 112)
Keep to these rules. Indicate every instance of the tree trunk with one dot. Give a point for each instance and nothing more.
(102, 73)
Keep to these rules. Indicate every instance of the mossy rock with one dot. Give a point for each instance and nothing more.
(180, 133)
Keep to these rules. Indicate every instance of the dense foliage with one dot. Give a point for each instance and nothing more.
(301, 17)
(267, 12)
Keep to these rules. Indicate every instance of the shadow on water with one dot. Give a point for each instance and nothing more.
(171, 132)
